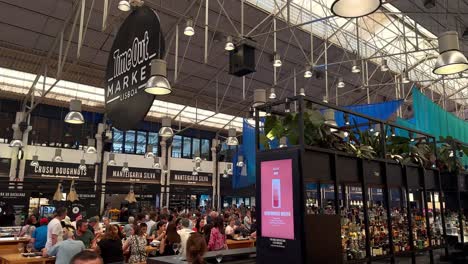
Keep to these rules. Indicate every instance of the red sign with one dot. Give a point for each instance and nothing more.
(277, 199)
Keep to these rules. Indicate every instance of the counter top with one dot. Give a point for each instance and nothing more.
(241, 255)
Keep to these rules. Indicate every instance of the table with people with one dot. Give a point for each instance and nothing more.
(185, 236)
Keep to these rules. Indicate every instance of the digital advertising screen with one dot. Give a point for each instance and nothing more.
(277, 218)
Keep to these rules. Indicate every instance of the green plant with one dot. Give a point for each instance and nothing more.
(448, 159)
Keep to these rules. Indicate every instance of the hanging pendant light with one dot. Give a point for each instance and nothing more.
(91, 148)
(229, 168)
(72, 195)
(384, 66)
(272, 93)
(166, 130)
(125, 168)
(355, 8)
(149, 152)
(197, 166)
(225, 174)
(229, 44)
(411, 136)
(74, 116)
(111, 161)
(240, 161)
(308, 72)
(58, 195)
(194, 172)
(124, 6)
(232, 139)
(283, 142)
(35, 161)
(355, 68)
(404, 77)
(287, 106)
(450, 60)
(302, 92)
(346, 118)
(189, 31)
(16, 142)
(165, 169)
(259, 100)
(82, 166)
(156, 163)
(158, 84)
(341, 83)
(58, 155)
(392, 130)
(197, 157)
(277, 60)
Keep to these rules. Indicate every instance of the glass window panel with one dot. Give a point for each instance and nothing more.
(141, 142)
(196, 147)
(187, 148)
(117, 140)
(130, 141)
(177, 147)
(153, 139)
(205, 149)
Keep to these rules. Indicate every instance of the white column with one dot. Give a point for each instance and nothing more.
(215, 179)
(20, 117)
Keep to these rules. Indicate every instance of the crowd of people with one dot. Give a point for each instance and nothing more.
(188, 234)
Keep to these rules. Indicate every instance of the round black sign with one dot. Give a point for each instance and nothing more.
(138, 41)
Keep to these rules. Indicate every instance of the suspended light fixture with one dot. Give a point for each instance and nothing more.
(16, 142)
(232, 139)
(329, 116)
(229, 168)
(111, 161)
(240, 161)
(404, 77)
(259, 99)
(355, 68)
(308, 72)
(189, 31)
(287, 106)
(74, 116)
(341, 83)
(283, 142)
(149, 152)
(346, 118)
(125, 168)
(58, 155)
(277, 60)
(131, 195)
(194, 172)
(197, 157)
(225, 174)
(82, 166)
(393, 132)
(158, 84)
(90, 148)
(229, 44)
(124, 6)
(272, 93)
(371, 128)
(450, 60)
(384, 66)
(166, 130)
(156, 163)
(58, 195)
(165, 169)
(35, 161)
(302, 92)
(355, 8)
(345, 134)
(197, 166)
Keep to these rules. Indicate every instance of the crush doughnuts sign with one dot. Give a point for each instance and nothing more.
(138, 41)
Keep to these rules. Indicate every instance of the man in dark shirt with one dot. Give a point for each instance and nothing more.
(83, 234)
(92, 225)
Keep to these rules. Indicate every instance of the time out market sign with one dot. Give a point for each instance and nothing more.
(138, 41)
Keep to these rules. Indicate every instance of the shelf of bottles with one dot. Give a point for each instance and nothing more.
(435, 219)
(400, 224)
(418, 217)
(353, 233)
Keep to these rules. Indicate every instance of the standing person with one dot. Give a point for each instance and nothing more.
(110, 246)
(150, 224)
(196, 249)
(184, 234)
(129, 227)
(217, 236)
(29, 227)
(54, 228)
(39, 236)
(66, 249)
(248, 220)
(137, 245)
(86, 257)
(83, 234)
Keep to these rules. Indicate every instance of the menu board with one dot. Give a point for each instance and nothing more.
(277, 199)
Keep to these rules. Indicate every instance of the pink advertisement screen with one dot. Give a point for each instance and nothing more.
(277, 199)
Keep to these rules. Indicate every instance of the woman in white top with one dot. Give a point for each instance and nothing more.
(231, 227)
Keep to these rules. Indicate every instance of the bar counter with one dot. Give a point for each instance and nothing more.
(233, 256)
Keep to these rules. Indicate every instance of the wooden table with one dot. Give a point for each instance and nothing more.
(10, 245)
(150, 249)
(16, 258)
(234, 244)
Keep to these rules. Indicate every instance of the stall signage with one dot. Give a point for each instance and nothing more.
(12, 195)
(186, 177)
(277, 216)
(47, 169)
(187, 189)
(138, 41)
(115, 174)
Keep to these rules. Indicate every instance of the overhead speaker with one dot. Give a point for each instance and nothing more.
(242, 60)
(429, 3)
